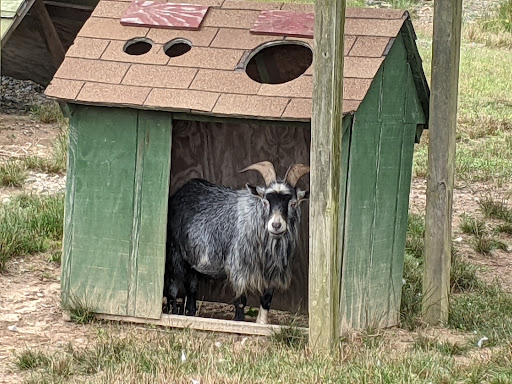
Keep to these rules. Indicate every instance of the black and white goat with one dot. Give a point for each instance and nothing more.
(247, 236)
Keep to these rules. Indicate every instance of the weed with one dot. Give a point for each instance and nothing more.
(505, 228)
(30, 224)
(448, 348)
(30, 359)
(486, 244)
(495, 209)
(415, 235)
(501, 21)
(471, 226)
(463, 276)
(80, 310)
(55, 256)
(487, 310)
(12, 173)
(410, 305)
(291, 337)
(47, 113)
(56, 163)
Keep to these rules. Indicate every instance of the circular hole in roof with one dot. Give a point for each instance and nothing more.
(279, 62)
(138, 46)
(177, 47)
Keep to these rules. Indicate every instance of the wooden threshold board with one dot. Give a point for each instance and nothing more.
(203, 324)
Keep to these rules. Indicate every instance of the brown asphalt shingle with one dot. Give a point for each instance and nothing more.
(210, 78)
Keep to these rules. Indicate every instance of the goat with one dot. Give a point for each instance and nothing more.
(247, 236)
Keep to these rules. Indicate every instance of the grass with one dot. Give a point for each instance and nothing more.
(80, 309)
(30, 224)
(156, 357)
(501, 20)
(484, 139)
(496, 209)
(486, 244)
(57, 162)
(472, 226)
(12, 173)
(493, 29)
(48, 112)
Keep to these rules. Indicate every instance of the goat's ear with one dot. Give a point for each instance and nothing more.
(302, 195)
(255, 190)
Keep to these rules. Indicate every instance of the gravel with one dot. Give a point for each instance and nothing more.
(19, 96)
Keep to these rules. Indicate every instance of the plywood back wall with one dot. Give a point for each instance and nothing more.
(217, 152)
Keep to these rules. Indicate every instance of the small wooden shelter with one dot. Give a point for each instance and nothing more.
(152, 106)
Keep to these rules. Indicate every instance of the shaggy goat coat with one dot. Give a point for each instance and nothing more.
(222, 232)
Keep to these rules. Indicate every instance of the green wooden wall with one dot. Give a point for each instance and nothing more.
(378, 183)
(116, 210)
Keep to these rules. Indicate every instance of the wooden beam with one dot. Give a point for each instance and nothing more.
(326, 137)
(441, 159)
(203, 324)
(50, 35)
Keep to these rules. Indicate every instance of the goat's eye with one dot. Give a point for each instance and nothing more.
(265, 203)
(293, 205)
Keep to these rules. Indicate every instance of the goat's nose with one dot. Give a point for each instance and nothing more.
(276, 225)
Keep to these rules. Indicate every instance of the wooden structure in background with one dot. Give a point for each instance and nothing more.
(37, 33)
(441, 159)
(142, 125)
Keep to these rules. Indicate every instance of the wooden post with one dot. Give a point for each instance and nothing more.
(49, 33)
(441, 159)
(326, 139)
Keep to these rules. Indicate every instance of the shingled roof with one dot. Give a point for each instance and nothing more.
(205, 80)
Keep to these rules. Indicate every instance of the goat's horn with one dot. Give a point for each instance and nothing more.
(266, 168)
(294, 173)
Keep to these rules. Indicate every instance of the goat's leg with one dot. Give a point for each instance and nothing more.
(265, 301)
(191, 284)
(240, 303)
(173, 295)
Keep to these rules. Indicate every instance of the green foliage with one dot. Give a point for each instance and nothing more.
(471, 226)
(495, 209)
(486, 244)
(48, 112)
(30, 359)
(57, 162)
(30, 224)
(505, 228)
(486, 310)
(463, 275)
(429, 344)
(12, 173)
(414, 244)
(291, 337)
(501, 20)
(80, 309)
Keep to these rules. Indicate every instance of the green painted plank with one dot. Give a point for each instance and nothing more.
(69, 207)
(359, 220)
(401, 214)
(381, 272)
(103, 171)
(154, 151)
(394, 83)
(413, 109)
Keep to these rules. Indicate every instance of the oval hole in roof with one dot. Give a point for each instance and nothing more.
(138, 46)
(278, 62)
(177, 47)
